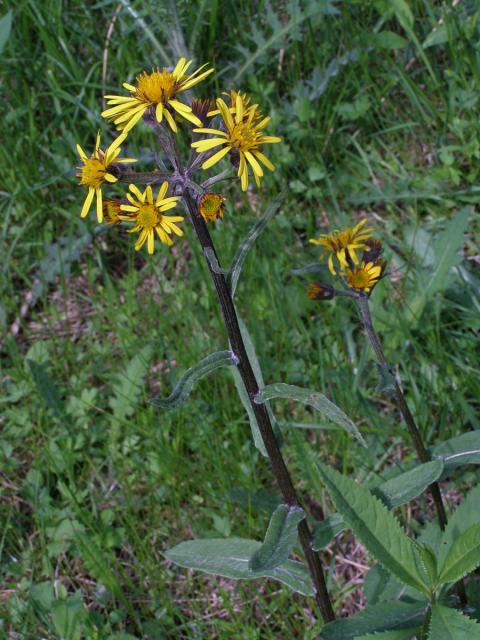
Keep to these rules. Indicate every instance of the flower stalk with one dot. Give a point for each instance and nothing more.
(277, 462)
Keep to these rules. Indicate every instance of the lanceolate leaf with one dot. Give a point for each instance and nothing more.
(190, 377)
(316, 400)
(380, 617)
(393, 493)
(279, 540)
(230, 558)
(376, 527)
(463, 556)
(244, 397)
(239, 258)
(47, 387)
(456, 452)
(464, 517)
(450, 624)
(401, 634)
(409, 485)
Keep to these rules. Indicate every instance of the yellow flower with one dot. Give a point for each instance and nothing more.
(211, 206)
(94, 172)
(158, 90)
(243, 138)
(232, 94)
(148, 216)
(111, 211)
(364, 277)
(339, 242)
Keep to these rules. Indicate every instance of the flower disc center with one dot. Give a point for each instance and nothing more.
(155, 87)
(147, 216)
(243, 136)
(92, 173)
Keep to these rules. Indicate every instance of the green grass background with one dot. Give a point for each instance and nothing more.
(377, 104)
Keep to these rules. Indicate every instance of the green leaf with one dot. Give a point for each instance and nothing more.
(388, 40)
(316, 400)
(128, 384)
(279, 540)
(186, 383)
(393, 493)
(450, 624)
(438, 36)
(47, 388)
(463, 556)
(400, 634)
(376, 527)
(325, 530)
(239, 257)
(408, 485)
(67, 617)
(447, 255)
(429, 563)
(5, 29)
(403, 13)
(379, 617)
(245, 398)
(230, 558)
(456, 452)
(464, 517)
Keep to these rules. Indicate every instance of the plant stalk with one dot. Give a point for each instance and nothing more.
(277, 462)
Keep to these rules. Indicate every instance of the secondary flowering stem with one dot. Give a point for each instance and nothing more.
(277, 462)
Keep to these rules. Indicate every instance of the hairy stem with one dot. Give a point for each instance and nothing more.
(277, 462)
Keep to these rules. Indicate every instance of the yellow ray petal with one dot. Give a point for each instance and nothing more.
(149, 194)
(263, 158)
(129, 87)
(87, 203)
(170, 120)
(134, 189)
(257, 169)
(150, 242)
(159, 112)
(216, 157)
(161, 192)
(81, 153)
(110, 178)
(206, 145)
(99, 205)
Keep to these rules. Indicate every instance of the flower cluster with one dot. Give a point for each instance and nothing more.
(358, 274)
(155, 98)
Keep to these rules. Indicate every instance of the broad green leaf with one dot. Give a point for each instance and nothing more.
(379, 617)
(316, 400)
(325, 530)
(400, 634)
(464, 517)
(429, 563)
(403, 13)
(376, 527)
(191, 376)
(279, 540)
(5, 28)
(463, 556)
(67, 616)
(230, 558)
(393, 493)
(239, 258)
(456, 452)
(450, 624)
(387, 40)
(47, 388)
(446, 256)
(408, 485)
(438, 36)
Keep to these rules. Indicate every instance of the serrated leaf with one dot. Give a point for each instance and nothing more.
(464, 517)
(239, 257)
(128, 385)
(393, 493)
(456, 452)
(429, 563)
(380, 617)
(400, 634)
(463, 556)
(279, 540)
(46, 387)
(450, 624)
(313, 398)
(191, 376)
(376, 527)
(408, 485)
(230, 558)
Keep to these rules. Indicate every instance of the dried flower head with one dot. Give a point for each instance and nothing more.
(373, 250)
(112, 211)
(343, 244)
(97, 169)
(211, 206)
(202, 110)
(148, 216)
(364, 277)
(157, 89)
(320, 291)
(242, 138)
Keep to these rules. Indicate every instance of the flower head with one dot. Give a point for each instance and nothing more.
(364, 277)
(211, 206)
(202, 110)
(232, 96)
(343, 244)
(320, 291)
(95, 170)
(147, 214)
(111, 211)
(156, 90)
(242, 137)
